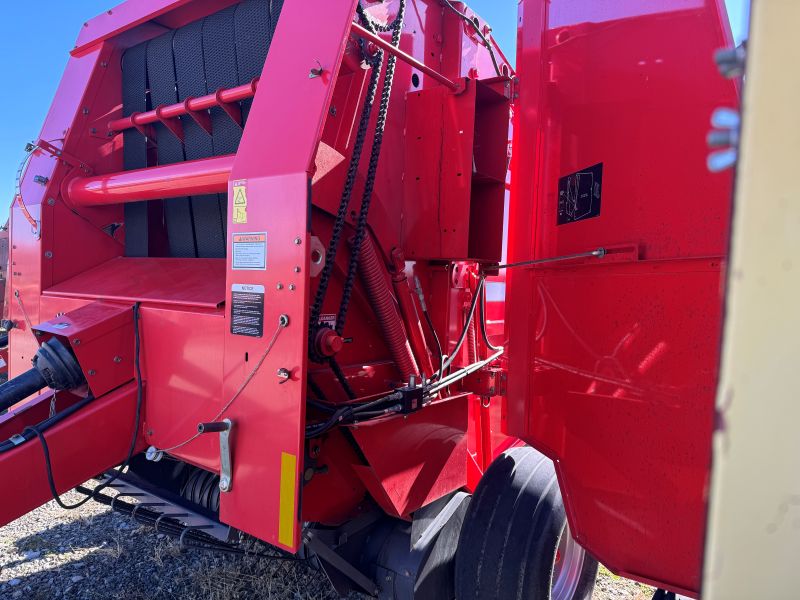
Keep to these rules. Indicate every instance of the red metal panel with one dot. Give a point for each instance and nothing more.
(182, 365)
(612, 363)
(269, 415)
(186, 282)
(427, 461)
(49, 253)
(101, 336)
(93, 440)
(133, 13)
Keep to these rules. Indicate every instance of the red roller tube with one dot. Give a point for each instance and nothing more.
(190, 178)
(171, 111)
(375, 277)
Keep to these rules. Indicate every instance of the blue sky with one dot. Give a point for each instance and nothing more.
(36, 35)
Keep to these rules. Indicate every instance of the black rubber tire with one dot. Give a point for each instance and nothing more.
(511, 531)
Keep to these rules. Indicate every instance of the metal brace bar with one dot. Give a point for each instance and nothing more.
(599, 253)
(330, 556)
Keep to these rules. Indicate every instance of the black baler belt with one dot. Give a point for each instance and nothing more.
(178, 211)
(254, 28)
(207, 215)
(134, 149)
(223, 50)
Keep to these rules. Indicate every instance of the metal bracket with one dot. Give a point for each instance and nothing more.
(68, 159)
(224, 428)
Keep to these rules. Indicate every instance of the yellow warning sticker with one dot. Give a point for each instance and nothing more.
(287, 513)
(240, 202)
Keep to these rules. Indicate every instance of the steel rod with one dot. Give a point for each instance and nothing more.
(190, 178)
(599, 253)
(387, 46)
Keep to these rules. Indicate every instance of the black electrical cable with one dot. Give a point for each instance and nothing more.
(28, 434)
(346, 414)
(429, 321)
(139, 397)
(482, 319)
(480, 34)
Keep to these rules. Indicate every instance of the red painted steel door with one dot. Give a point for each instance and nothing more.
(613, 360)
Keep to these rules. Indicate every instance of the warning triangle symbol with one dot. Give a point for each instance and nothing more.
(240, 199)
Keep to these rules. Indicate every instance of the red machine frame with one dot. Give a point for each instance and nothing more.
(616, 385)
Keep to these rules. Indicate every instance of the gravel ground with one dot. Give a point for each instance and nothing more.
(92, 553)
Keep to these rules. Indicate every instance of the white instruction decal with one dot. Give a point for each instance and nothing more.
(249, 251)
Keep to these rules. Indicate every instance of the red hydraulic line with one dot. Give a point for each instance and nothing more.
(190, 105)
(191, 178)
(381, 43)
(374, 274)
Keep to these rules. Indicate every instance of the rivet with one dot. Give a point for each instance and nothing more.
(297, 241)
(48, 254)
(297, 269)
(117, 359)
(292, 287)
(51, 201)
(279, 286)
(92, 372)
(85, 111)
(283, 320)
(76, 342)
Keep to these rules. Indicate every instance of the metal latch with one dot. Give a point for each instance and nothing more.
(224, 428)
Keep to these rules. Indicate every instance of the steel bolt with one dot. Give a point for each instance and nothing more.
(224, 484)
(117, 359)
(91, 372)
(48, 254)
(85, 111)
(51, 202)
(279, 286)
(297, 241)
(76, 342)
(297, 269)
(292, 287)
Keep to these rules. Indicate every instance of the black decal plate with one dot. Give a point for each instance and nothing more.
(247, 310)
(579, 195)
